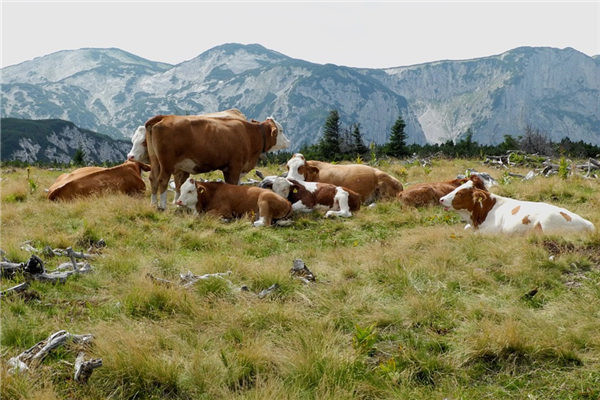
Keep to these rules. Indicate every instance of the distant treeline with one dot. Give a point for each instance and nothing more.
(339, 144)
(346, 144)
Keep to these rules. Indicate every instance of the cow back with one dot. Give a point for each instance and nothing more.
(88, 181)
(204, 144)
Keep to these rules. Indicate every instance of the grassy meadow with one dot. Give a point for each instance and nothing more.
(406, 304)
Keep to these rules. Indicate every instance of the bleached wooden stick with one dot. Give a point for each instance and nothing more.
(160, 280)
(15, 289)
(84, 369)
(37, 352)
(188, 279)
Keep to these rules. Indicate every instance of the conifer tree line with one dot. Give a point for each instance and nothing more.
(339, 142)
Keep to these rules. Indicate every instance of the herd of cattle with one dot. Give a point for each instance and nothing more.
(170, 145)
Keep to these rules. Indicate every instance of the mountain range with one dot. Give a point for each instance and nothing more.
(556, 91)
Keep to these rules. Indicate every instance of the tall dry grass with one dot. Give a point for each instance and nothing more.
(406, 305)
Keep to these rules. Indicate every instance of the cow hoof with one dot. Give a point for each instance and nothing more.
(258, 224)
(284, 222)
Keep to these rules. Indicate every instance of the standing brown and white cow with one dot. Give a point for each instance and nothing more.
(195, 145)
(125, 178)
(139, 148)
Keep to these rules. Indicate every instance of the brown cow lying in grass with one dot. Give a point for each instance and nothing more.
(423, 194)
(230, 201)
(125, 178)
(370, 183)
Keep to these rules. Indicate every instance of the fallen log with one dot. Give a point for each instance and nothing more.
(84, 369)
(8, 269)
(37, 352)
(188, 279)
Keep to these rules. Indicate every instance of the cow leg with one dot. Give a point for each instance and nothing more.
(180, 177)
(341, 200)
(232, 175)
(163, 183)
(265, 216)
(154, 172)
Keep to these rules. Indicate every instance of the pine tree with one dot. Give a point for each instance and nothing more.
(396, 147)
(79, 157)
(358, 145)
(330, 142)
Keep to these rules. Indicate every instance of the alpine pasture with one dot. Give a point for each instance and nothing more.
(406, 303)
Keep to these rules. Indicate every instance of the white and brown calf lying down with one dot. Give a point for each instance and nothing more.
(125, 178)
(308, 196)
(370, 183)
(229, 201)
(491, 213)
(423, 194)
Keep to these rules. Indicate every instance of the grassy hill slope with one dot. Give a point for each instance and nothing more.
(406, 304)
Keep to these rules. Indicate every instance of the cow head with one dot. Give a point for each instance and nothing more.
(139, 149)
(277, 136)
(311, 174)
(295, 166)
(281, 186)
(193, 194)
(470, 199)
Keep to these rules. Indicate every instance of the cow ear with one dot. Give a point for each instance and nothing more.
(312, 172)
(478, 197)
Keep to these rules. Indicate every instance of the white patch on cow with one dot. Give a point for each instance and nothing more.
(293, 164)
(153, 199)
(260, 222)
(300, 207)
(446, 201)
(186, 165)
(310, 186)
(341, 200)
(189, 194)
(282, 141)
(282, 186)
(139, 151)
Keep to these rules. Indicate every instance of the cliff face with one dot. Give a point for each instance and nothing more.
(555, 91)
(57, 141)
(111, 91)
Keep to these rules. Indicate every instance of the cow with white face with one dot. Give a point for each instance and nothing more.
(308, 196)
(491, 213)
(232, 201)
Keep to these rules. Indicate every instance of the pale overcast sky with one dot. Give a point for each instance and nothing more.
(356, 34)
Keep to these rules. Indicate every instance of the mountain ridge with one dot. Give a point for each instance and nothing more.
(440, 100)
